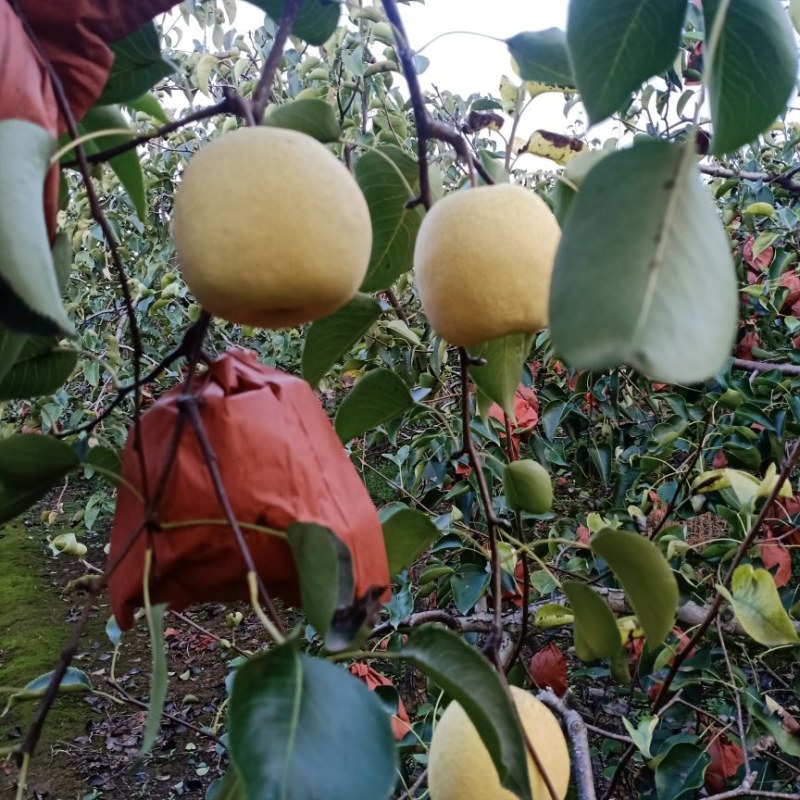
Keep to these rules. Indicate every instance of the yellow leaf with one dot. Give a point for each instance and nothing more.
(555, 146)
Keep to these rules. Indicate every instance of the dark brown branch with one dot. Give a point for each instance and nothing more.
(224, 106)
(427, 128)
(262, 91)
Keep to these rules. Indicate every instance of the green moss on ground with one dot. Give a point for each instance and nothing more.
(33, 630)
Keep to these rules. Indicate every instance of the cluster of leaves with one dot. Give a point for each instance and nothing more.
(660, 480)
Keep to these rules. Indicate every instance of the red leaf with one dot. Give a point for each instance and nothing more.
(526, 410)
(775, 554)
(463, 469)
(720, 460)
(726, 758)
(744, 349)
(584, 534)
(762, 260)
(791, 280)
(548, 669)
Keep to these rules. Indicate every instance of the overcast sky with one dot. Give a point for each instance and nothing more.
(465, 64)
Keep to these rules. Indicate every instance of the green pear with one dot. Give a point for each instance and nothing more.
(527, 486)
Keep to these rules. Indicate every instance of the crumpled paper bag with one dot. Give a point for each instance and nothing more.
(281, 462)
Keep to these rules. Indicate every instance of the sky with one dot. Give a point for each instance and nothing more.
(464, 63)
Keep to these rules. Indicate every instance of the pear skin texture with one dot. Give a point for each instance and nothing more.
(460, 767)
(270, 228)
(483, 262)
(527, 486)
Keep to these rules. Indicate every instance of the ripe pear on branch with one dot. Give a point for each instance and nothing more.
(271, 229)
(483, 261)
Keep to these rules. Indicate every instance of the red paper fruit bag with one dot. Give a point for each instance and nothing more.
(280, 461)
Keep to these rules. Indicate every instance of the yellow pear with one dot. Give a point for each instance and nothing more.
(270, 228)
(460, 767)
(483, 261)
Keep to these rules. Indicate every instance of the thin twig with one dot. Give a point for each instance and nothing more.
(781, 178)
(262, 91)
(486, 499)
(737, 700)
(222, 107)
(687, 473)
(765, 366)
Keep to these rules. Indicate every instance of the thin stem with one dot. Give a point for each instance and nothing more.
(224, 106)
(692, 462)
(486, 499)
(737, 700)
(459, 33)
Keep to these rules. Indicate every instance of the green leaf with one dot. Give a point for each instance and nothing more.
(615, 47)
(596, 632)
(389, 179)
(468, 585)
(302, 729)
(644, 274)
(30, 300)
(788, 742)
(378, 397)
(325, 570)
(467, 677)
(758, 608)
(40, 368)
(138, 66)
(74, 681)
(330, 338)
(149, 104)
(542, 56)
(407, 534)
(314, 117)
(30, 464)
(646, 577)
(158, 677)
(500, 376)
(315, 23)
(642, 736)
(107, 462)
(752, 72)
(794, 13)
(11, 345)
(126, 165)
(681, 771)
(229, 787)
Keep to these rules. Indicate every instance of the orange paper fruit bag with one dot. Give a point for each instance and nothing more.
(280, 461)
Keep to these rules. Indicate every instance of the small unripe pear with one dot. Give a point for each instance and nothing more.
(528, 487)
